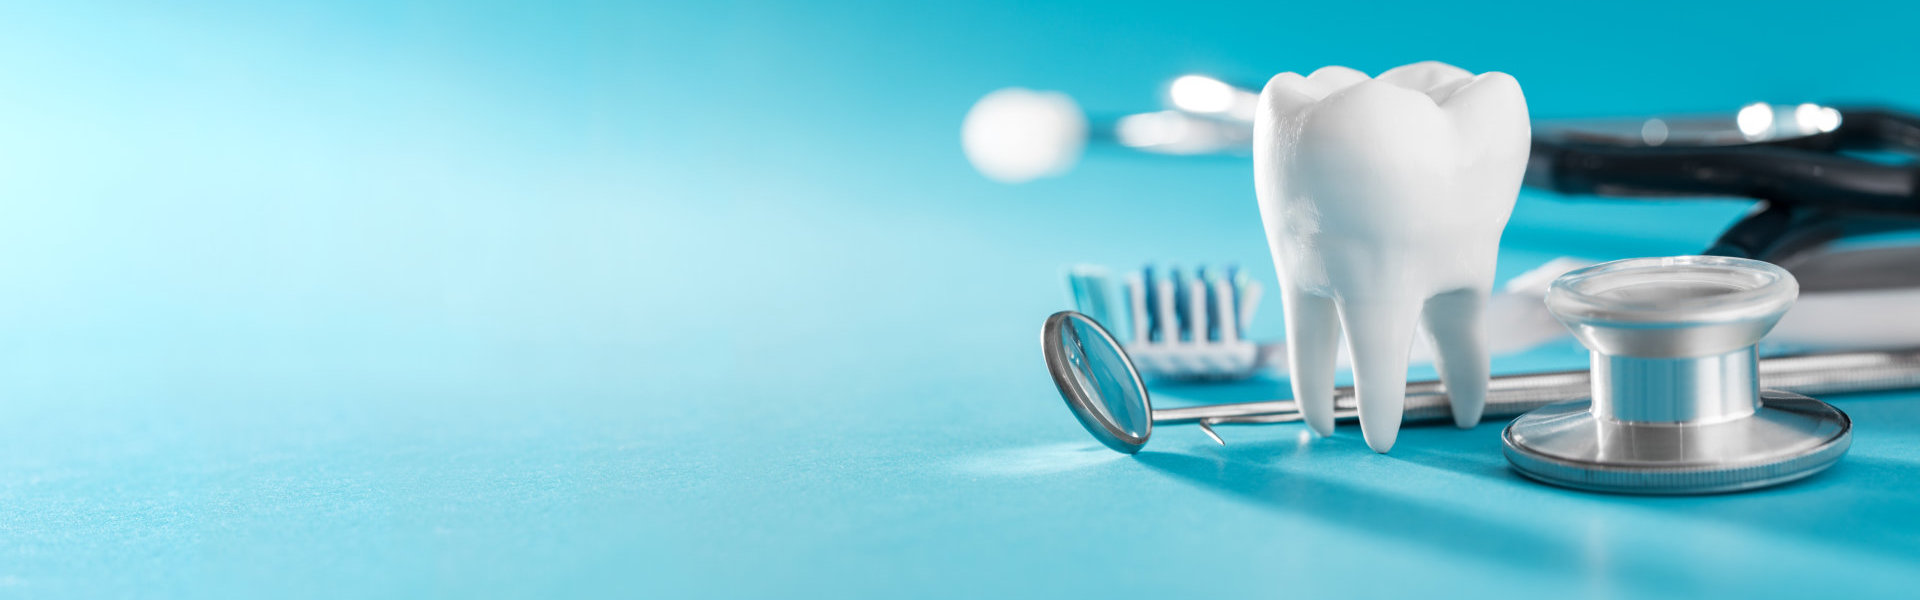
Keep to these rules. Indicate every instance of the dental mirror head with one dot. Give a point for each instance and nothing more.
(1676, 404)
(1097, 381)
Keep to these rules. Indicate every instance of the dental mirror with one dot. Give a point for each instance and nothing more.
(1097, 381)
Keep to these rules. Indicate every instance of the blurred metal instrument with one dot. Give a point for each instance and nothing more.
(1799, 160)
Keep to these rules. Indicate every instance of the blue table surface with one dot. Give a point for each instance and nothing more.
(344, 299)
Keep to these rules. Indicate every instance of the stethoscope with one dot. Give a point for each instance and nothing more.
(1675, 402)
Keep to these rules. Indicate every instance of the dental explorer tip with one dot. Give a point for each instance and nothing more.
(1207, 426)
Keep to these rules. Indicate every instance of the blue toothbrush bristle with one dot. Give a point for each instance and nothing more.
(1093, 296)
(1212, 301)
(1154, 315)
(1155, 330)
(1238, 281)
(1181, 300)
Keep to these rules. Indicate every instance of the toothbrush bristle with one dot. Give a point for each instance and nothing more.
(1088, 284)
(1139, 321)
(1182, 326)
(1155, 331)
(1184, 323)
(1211, 302)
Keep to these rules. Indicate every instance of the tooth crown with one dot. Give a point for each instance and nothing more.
(1384, 199)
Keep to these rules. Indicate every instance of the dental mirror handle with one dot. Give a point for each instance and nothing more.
(1508, 395)
(1513, 395)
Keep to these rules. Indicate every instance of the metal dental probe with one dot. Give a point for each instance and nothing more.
(1511, 395)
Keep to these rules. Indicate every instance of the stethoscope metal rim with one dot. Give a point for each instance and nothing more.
(1816, 435)
(1091, 416)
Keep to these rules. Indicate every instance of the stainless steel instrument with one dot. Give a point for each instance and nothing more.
(1509, 395)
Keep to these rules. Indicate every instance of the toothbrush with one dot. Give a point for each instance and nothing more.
(1174, 323)
(1195, 327)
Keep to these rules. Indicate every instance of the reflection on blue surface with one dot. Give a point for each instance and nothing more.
(366, 299)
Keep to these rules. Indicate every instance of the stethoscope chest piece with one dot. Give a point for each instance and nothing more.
(1676, 407)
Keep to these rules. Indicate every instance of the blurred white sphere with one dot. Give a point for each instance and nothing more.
(1015, 134)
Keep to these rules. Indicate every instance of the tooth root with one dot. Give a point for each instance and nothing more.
(1379, 335)
(1453, 320)
(1313, 340)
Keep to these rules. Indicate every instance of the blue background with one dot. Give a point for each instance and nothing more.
(404, 299)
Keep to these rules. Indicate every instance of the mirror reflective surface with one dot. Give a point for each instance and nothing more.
(1097, 381)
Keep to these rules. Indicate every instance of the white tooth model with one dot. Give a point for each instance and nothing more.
(1384, 200)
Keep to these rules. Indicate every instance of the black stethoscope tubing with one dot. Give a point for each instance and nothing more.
(1811, 190)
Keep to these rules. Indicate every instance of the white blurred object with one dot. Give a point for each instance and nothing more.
(1858, 295)
(1852, 320)
(1015, 134)
(1203, 95)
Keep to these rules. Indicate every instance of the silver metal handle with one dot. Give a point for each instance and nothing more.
(1513, 395)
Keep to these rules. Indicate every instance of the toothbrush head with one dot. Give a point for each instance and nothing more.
(1192, 325)
(1015, 135)
(1176, 324)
